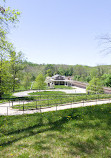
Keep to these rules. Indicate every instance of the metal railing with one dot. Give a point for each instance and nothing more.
(43, 102)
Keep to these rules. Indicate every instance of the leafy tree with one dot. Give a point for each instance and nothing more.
(106, 80)
(26, 82)
(7, 17)
(80, 72)
(4, 77)
(51, 67)
(61, 71)
(16, 60)
(49, 73)
(39, 82)
(94, 86)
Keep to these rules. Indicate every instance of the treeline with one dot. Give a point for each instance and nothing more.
(17, 74)
(78, 72)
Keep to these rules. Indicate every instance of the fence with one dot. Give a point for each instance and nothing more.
(47, 102)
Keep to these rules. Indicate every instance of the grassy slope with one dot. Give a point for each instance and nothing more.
(81, 132)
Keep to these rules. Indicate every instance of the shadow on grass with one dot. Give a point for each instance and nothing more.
(26, 132)
(81, 119)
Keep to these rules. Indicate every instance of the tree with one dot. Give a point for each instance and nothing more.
(106, 80)
(95, 86)
(4, 77)
(51, 67)
(7, 17)
(49, 73)
(39, 82)
(26, 82)
(16, 64)
(80, 72)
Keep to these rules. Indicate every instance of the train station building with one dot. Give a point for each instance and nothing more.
(58, 80)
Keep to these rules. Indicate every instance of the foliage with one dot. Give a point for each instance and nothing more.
(39, 82)
(78, 72)
(49, 73)
(16, 65)
(94, 86)
(106, 80)
(26, 82)
(7, 17)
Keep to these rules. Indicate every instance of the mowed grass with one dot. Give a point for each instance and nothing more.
(63, 87)
(47, 93)
(73, 133)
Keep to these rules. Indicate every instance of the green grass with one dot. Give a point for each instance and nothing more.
(6, 97)
(73, 133)
(62, 87)
(22, 88)
(47, 93)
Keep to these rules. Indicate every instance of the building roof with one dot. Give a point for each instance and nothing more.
(58, 77)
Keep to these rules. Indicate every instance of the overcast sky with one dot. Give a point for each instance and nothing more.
(62, 31)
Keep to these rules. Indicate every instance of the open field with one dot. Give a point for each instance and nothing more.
(81, 132)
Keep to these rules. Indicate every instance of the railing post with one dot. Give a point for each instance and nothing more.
(40, 108)
(9, 102)
(61, 100)
(56, 107)
(23, 107)
(7, 110)
(36, 104)
(73, 99)
(12, 103)
(48, 100)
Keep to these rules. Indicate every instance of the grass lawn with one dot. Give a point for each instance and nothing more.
(73, 133)
(47, 93)
(62, 87)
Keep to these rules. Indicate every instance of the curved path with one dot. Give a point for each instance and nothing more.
(6, 108)
(68, 91)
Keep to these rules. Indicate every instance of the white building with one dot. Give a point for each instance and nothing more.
(58, 80)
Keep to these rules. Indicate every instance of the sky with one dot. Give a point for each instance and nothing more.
(62, 31)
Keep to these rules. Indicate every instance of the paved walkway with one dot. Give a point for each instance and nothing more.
(6, 109)
(68, 91)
